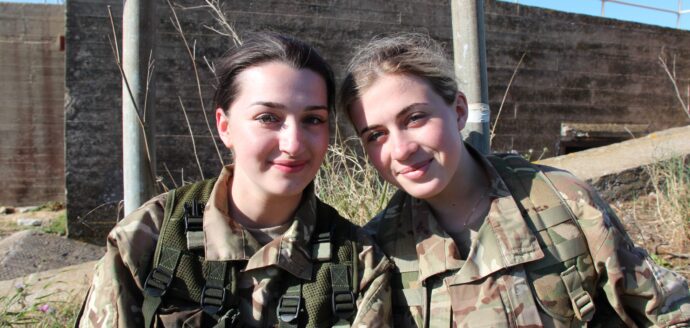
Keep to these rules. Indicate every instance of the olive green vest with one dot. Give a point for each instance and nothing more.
(180, 271)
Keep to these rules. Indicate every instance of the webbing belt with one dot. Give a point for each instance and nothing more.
(158, 282)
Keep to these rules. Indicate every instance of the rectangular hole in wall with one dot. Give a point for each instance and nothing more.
(582, 136)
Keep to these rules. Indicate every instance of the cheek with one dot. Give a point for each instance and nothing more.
(319, 140)
(377, 157)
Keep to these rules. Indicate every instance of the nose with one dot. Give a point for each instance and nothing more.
(290, 141)
(403, 146)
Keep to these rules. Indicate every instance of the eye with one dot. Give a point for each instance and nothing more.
(416, 119)
(314, 120)
(267, 118)
(374, 136)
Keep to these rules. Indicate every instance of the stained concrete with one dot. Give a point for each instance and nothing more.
(618, 170)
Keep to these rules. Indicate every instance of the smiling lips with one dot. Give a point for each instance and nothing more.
(289, 166)
(416, 170)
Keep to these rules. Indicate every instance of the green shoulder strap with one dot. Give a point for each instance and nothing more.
(175, 270)
(543, 207)
(329, 297)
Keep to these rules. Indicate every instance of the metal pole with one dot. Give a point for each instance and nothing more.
(603, 4)
(138, 43)
(470, 69)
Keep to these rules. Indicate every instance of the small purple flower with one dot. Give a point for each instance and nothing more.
(19, 286)
(45, 308)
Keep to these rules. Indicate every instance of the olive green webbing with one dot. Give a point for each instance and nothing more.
(189, 276)
(317, 293)
(188, 271)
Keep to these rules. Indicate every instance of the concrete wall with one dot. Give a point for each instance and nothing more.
(31, 104)
(93, 140)
(581, 69)
(577, 69)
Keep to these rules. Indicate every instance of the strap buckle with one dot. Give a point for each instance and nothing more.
(343, 304)
(288, 308)
(193, 216)
(158, 282)
(212, 299)
(584, 307)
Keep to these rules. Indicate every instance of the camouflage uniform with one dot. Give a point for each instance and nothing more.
(115, 298)
(502, 282)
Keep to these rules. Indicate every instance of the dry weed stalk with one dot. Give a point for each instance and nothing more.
(672, 76)
(670, 181)
(192, 56)
(492, 134)
(349, 183)
(191, 135)
(116, 51)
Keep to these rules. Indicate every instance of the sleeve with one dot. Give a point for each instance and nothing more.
(115, 296)
(374, 301)
(641, 292)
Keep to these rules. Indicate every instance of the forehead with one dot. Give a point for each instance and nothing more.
(277, 78)
(394, 90)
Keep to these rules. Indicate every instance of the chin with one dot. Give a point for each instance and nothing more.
(423, 190)
(287, 188)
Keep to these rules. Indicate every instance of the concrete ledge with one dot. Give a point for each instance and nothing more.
(617, 171)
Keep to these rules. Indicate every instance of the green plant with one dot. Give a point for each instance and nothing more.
(57, 226)
(17, 310)
(661, 261)
(49, 206)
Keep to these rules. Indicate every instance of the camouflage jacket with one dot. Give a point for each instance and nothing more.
(509, 278)
(116, 294)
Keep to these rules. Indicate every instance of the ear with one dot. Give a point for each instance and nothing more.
(223, 126)
(461, 110)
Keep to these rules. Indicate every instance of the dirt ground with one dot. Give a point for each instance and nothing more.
(8, 222)
(30, 249)
(667, 242)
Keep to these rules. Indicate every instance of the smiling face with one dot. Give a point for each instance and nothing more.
(411, 135)
(277, 128)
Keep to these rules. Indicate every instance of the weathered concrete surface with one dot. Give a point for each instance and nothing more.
(577, 68)
(29, 251)
(32, 80)
(48, 287)
(617, 170)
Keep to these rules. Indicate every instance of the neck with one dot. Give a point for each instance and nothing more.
(254, 208)
(464, 197)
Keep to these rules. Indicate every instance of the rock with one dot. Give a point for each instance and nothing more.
(6, 210)
(30, 251)
(29, 222)
(27, 209)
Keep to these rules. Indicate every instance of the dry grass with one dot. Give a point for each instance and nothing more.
(349, 183)
(660, 221)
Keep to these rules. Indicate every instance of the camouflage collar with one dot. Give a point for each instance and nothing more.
(227, 240)
(504, 239)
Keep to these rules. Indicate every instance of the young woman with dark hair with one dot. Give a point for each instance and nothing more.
(253, 247)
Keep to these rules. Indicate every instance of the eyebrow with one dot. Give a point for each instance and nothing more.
(276, 105)
(401, 113)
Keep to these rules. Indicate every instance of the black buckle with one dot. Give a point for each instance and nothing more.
(288, 308)
(193, 216)
(343, 304)
(158, 282)
(212, 299)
